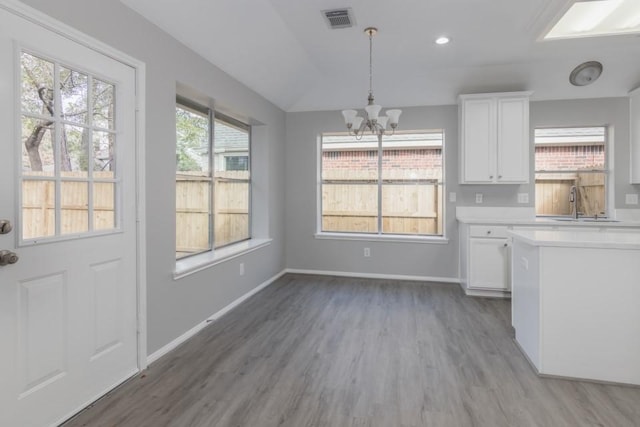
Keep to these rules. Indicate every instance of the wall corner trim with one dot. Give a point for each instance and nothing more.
(208, 321)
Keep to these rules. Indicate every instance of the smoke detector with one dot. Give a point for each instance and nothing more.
(339, 18)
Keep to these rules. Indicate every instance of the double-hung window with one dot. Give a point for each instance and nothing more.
(571, 171)
(213, 193)
(393, 185)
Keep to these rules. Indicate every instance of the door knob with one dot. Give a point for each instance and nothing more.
(5, 226)
(8, 257)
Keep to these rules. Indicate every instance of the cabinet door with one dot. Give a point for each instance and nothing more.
(478, 141)
(513, 140)
(489, 264)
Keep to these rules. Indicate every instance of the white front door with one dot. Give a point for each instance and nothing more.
(67, 186)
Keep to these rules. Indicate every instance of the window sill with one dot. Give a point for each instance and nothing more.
(392, 238)
(196, 263)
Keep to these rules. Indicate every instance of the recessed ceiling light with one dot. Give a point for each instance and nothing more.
(442, 40)
(587, 18)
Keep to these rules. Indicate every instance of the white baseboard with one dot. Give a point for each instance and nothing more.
(374, 275)
(200, 326)
(487, 293)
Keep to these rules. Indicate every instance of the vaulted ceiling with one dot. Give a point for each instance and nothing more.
(284, 50)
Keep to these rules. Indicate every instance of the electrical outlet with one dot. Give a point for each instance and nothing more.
(242, 268)
(452, 197)
(523, 197)
(367, 252)
(631, 199)
(478, 197)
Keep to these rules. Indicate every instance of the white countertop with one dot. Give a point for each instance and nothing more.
(550, 222)
(579, 238)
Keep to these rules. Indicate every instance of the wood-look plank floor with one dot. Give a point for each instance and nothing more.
(328, 351)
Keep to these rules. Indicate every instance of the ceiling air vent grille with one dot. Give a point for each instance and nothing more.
(339, 18)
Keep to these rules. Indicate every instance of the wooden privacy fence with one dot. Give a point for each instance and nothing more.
(552, 193)
(192, 208)
(231, 210)
(411, 201)
(38, 204)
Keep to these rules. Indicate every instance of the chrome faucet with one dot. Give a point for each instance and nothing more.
(573, 199)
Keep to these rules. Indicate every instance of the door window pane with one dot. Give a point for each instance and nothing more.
(103, 154)
(58, 141)
(74, 152)
(37, 147)
(103, 206)
(103, 105)
(38, 209)
(74, 209)
(36, 85)
(73, 95)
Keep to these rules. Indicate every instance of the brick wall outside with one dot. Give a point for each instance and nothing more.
(570, 158)
(396, 159)
(547, 158)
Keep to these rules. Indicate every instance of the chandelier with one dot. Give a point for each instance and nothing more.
(374, 123)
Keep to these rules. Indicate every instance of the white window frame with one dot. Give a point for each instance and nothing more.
(200, 261)
(607, 170)
(56, 178)
(379, 235)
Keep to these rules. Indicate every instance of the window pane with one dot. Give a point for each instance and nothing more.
(103, 154)
(231, 212)
(74, 207)
(103, 105)
(232, 189)
(412, 209)
(231, 147)
(104, 206)
(350, 184)
(73, 95)
(37, 85)
(552, 193)
(193, 182)
(412, 183)
(74, 152)
(37, 147)
(350, 208)
(567, 157)
(38, 209)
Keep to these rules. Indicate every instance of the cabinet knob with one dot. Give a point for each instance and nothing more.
(490, 176)
(499, 176)
(489, 232)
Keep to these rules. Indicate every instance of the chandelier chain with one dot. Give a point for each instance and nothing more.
(370, 64)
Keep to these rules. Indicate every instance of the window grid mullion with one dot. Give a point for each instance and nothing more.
(91, 154)
(380, 183)
(57, 149)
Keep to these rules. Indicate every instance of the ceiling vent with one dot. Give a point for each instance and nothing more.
(339, 18)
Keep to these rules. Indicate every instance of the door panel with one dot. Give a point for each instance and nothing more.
(68, 307)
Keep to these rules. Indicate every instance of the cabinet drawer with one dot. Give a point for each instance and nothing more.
(497, 231)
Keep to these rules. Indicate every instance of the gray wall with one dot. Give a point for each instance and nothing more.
(306, 252)
(431, 260)
(176, 306)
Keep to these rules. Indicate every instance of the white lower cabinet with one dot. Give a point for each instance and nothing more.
(485, 260)
(489, 263)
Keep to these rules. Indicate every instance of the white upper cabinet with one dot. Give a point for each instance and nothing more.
(494, 138)
(634, 108)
